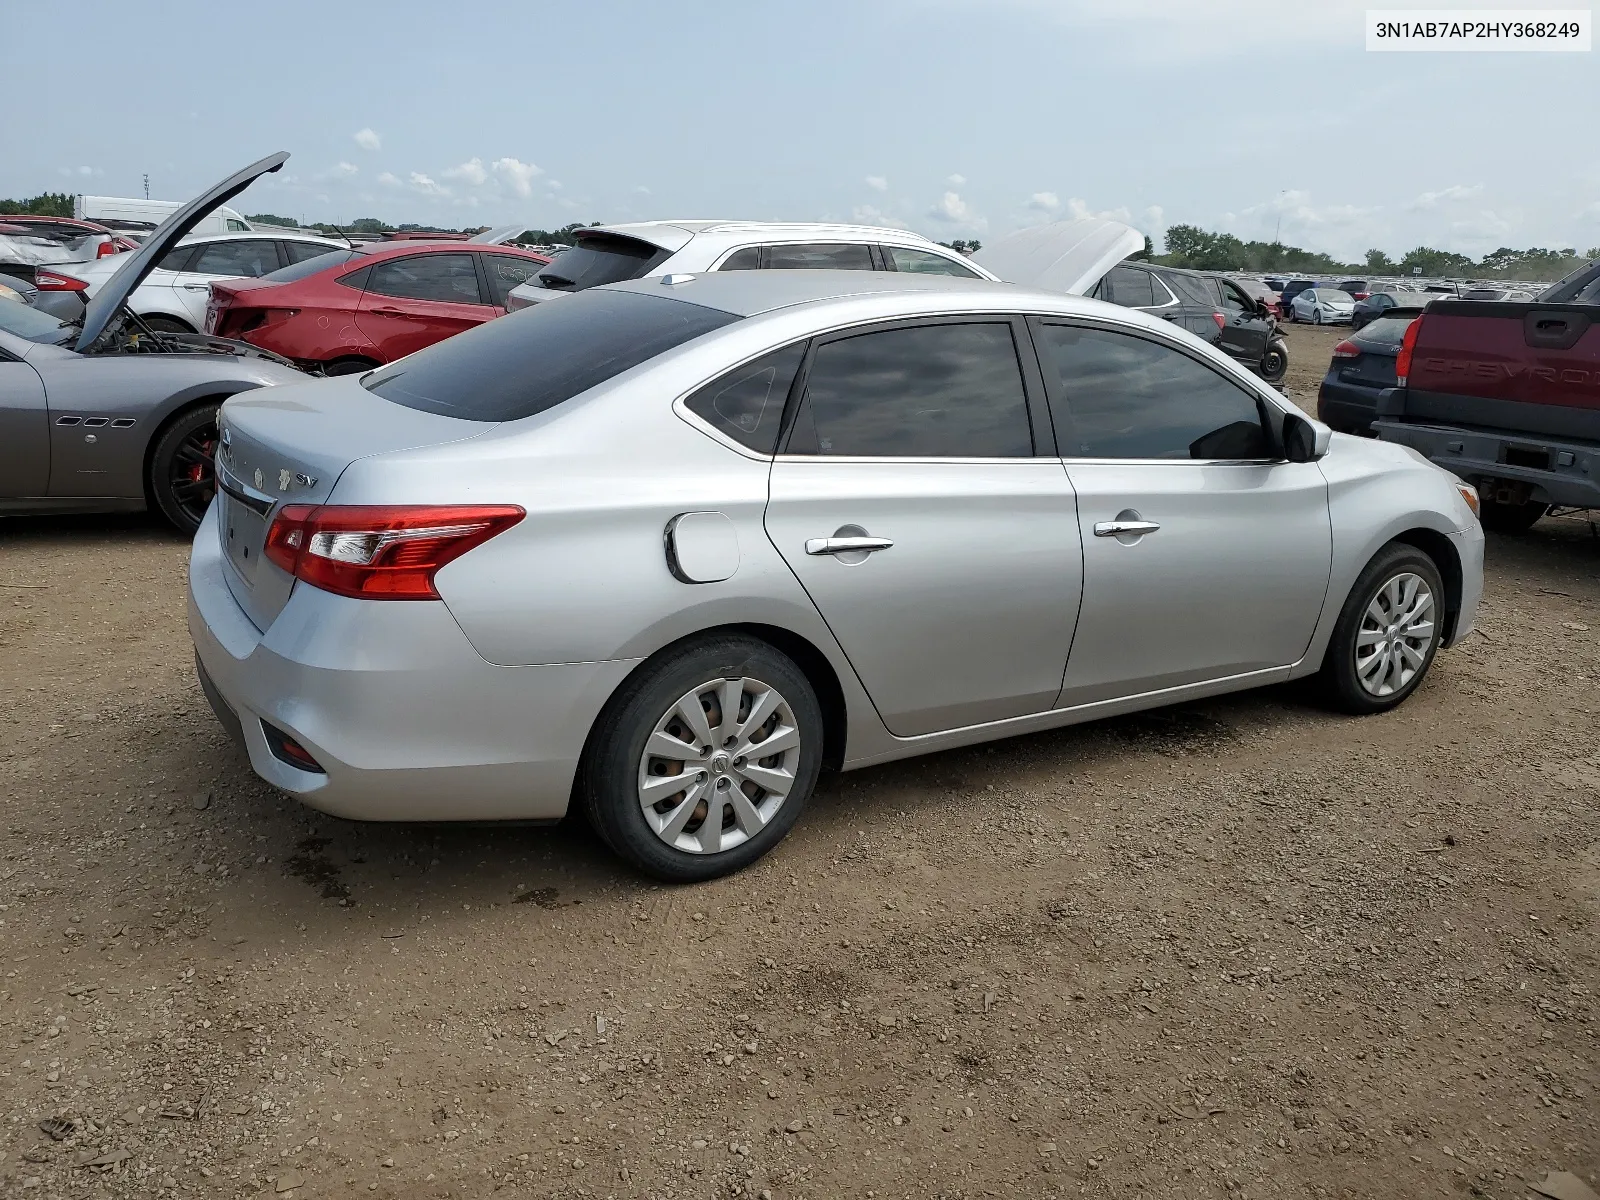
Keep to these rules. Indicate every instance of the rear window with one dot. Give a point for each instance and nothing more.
(599, 260)
(532, 360)
(310, 266)
(1385, 331)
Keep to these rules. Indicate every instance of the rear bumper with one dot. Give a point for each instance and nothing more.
(1571, 476)
(1347, 407)
(408, 721)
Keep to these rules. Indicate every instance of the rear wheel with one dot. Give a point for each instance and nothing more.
(1274, 364)
(181, 479)
(1510, 518)
(705, 759)
(1387, 634)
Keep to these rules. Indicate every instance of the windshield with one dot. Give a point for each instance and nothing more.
(310, 266)
(532, 360)
(1385, 331)
(1335, 298)
(32, 324)
(597, 260)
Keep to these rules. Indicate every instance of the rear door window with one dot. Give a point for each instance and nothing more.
(310, 266)
(945, 390)
(532, 360)
(442, 278)
(1128, 287)
(747, 403)
(748, 259)
(300, 251)
(1196, 289)
(923, 262)
(820, 256)
(179, 259)
(506, 271)
(250, 257)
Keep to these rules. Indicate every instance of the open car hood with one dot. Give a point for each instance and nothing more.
(1065, 256)
(139, 263)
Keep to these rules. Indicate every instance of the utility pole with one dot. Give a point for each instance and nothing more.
(147, 186)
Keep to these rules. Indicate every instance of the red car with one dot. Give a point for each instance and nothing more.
(351, 310)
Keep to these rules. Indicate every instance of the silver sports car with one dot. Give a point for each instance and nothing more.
(664, 550)
(103, 414)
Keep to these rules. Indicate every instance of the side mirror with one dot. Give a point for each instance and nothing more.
(1305, 440)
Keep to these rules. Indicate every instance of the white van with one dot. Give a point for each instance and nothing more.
(127, 212)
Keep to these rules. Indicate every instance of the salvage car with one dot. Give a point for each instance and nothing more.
(1323, 306)
(102, 414)
(661, 551)
(173, 297)
(360, 307)
(1361, 367)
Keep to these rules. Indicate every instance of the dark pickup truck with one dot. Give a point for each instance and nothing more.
(1507, 396)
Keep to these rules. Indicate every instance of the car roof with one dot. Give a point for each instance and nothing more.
(375, 251)
(674, 235)
(752, 293)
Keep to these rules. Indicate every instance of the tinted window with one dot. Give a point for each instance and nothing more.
(310, 266)
(820, 256)
(506, 271)
(251, 257)
(1385, 331)
(176, 259)
(747, 404)
(1194, 288)
(356, 279)
(1233, 299)
(1128, 287)
(923, 262)
(929, 391)
(597, 260)
(748, 259)
(445, 278)
(534, 359)
(1125, 397)
(236, 226)
(300, 251)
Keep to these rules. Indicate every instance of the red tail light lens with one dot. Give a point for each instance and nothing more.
(1218, 318)
(106, 250)
(1359, 295)
(1347, 349)
(380, 552)
(1408, 344)
(55, 281)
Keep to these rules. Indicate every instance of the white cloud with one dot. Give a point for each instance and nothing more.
(389, 179)
(877, 183)
(867, 214)
(519, 175)
(642, 190)
(426, 185)
(367, 139)
(953, 210)
(344, 169)
(956, 180)
(1456, 191)
(470, 171)
(1044, 202)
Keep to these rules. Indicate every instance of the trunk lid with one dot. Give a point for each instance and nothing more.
(290, 445)
(1065, 256)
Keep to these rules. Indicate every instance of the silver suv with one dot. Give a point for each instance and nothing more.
(613, 253)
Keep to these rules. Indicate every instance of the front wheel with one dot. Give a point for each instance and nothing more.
(1275, 362)
(1316, 317)
(1387, 634)
(182, 480)
(704, 760)
(1510, 518)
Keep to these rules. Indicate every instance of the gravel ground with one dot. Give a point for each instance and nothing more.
(1241, 949)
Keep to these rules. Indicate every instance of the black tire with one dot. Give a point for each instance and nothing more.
(167, 324)
(1339, 679)
(349, 366)
(1316, 316)
(1510, 518)
(614, 760)
(182, 480)
(1274, 364)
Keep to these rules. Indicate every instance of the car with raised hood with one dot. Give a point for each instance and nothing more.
(101, 414)
(366, 305)
(173, 297)
(638, 250)
(662, 551)
(1324, 306)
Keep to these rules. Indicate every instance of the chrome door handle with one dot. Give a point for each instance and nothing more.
(1115, 528)
(844, 545)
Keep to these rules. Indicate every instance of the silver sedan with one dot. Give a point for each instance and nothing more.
(667, 549)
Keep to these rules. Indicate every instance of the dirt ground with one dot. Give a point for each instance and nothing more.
(1241, 949)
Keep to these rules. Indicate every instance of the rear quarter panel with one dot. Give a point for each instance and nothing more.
(324, 328)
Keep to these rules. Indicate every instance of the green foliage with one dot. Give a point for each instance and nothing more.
(49, 204)
(963, 247)
(1201, 250)
(1435, 262)
(1379, 263)
(269, 219)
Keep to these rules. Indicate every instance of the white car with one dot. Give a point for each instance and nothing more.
(1324, 306)
(612, 253)
(173, 298)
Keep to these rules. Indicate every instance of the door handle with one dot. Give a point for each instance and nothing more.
(197, 287)
(1120, 528)
(1169, 316)
(844, 545)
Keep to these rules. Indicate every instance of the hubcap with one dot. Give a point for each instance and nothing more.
(718, 765)
(1397, 631)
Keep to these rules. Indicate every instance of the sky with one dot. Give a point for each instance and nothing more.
(955, 118)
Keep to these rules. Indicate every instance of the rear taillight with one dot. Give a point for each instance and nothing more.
(1219, 319)
(380, 552)
(1359, 295)
(1347, 349)
(55, 281)
(1408, 344)
(106, 250)
(260, 318)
